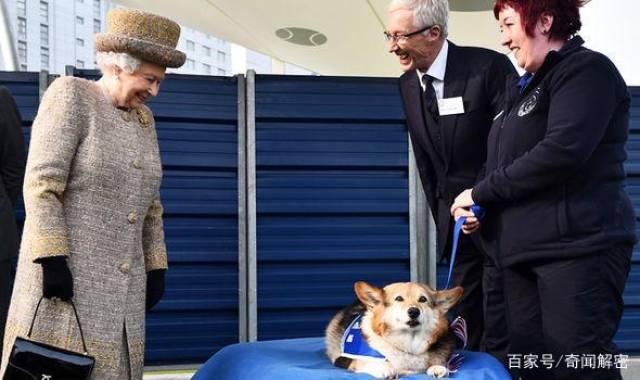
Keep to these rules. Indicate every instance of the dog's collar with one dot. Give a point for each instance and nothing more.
(354, 345)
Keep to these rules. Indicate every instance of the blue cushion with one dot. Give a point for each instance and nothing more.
(296, 359)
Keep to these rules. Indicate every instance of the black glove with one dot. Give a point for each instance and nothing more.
(155, 287)
(56, 278)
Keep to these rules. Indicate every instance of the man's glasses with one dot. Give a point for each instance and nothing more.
(397, 38)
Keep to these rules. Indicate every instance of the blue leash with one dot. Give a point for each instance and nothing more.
(479, 213)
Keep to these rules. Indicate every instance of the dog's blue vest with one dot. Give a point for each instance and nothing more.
(354, 345)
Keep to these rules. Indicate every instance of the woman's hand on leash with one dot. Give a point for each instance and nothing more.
(471, 224)
(463, 200)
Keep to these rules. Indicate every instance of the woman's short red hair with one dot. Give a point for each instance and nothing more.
(566, 15)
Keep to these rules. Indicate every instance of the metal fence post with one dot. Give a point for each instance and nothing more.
(422, 249)
(43, 83)
(252, 275)
(243, 326)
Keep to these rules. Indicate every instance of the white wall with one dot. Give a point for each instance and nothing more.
(261, 63)
(612, 28)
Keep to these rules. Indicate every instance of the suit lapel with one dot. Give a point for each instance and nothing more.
(414, 110)
(455, 81)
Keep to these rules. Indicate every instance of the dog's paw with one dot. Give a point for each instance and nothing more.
(379, 369)
(437, 371)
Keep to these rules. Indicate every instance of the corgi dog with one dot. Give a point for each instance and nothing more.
(405, 326)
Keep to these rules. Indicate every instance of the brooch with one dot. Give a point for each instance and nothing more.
(143, 117)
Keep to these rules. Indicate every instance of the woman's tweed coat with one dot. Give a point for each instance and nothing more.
(91, 192)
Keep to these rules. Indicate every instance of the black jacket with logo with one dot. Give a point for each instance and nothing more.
(554, 186)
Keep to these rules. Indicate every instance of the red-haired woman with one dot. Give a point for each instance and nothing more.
(557, 211)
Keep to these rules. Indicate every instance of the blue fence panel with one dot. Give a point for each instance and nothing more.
(197, 132)
(628, 336)
(332, 196)
(25, 88)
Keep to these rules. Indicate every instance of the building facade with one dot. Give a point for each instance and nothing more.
(206, 54)
(51, 34)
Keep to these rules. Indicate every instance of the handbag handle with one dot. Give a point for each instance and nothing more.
(84, 345)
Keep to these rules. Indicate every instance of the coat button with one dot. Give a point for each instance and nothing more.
(132, 217)
(137, 163)
(125, 268)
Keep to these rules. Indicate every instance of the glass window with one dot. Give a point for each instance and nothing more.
(44, 35)
(22, 28)
(23, 67)
(22, 51)
(79, 42)
(191, 64)
(221, 56)
(191, 45)
(21, 5)
(222, 72)
(206, 50)
(96, 9)
(79, 20)
(44, 58)
(44, 12)
(80, 64)
(97, 26)
(80, 1)
(206, 69)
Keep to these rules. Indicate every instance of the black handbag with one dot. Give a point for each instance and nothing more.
(30, 360)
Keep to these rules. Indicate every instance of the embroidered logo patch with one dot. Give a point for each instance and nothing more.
(529, 104)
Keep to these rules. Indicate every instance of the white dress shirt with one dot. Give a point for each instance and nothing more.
(437, 71)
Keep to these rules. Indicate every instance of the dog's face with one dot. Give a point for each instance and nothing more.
(407, 307)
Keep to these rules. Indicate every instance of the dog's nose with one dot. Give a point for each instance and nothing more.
(413, 312)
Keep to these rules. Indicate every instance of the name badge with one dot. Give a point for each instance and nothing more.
(450, 106)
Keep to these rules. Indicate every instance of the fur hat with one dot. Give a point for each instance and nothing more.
(146, 36)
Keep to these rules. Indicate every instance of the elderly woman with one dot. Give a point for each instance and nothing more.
(557, 211)
(93, 231)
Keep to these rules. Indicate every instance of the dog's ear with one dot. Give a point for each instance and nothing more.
(446, 299)
(367, 294)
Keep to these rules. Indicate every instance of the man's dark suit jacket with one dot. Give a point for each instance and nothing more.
(478, 76)
(12, 163)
